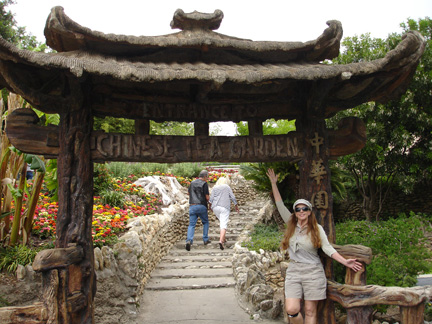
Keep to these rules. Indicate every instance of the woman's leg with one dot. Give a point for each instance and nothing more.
(293, 307)
(310, 308)
(222, 235)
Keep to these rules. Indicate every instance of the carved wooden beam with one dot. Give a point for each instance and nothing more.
(57, 258)
(350, 137)
(33, 314)
(350, 296)
(351, 251)
(27, 136)
(185, 111)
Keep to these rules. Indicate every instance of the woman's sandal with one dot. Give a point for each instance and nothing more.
(221, 246)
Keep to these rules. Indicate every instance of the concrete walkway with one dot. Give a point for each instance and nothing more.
(198, 286)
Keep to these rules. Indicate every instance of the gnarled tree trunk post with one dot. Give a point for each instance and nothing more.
(315, 186)
(77, 284)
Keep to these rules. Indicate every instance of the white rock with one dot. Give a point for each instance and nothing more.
(168, 187)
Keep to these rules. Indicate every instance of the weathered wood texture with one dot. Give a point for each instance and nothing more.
(33, 314)
(68, 270)
(25, 134)
(358, 296)
(358, 300)
(314, 185)
(363, 254)
(57, 258)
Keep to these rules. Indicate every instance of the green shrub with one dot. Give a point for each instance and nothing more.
(101, 178)
(397, 245)
(11, 257)
(112, 198)
(266, 237)
(187, 170)
(136, 170)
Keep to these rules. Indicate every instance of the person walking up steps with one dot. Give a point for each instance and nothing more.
(198, 207)
(220, 202)
(305, 277)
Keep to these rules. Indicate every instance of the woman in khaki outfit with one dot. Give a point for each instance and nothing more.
(305, 277)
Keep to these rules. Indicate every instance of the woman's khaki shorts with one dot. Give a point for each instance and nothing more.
(304, 280)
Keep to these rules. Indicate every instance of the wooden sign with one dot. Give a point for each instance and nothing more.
(27, 136)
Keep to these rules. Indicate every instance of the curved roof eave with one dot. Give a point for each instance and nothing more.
(404, 56)
(64, 35)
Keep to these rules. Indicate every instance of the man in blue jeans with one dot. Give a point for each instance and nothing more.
(198, 207)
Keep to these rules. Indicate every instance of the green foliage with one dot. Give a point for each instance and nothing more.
(398, 247)
(102, 179)
(126, 169)
(108, 241)
(187, 170)
(399, 133)
(47, 119)
(50, 181)
(270, 127)
(112, 198)
(171, 128)
(114, 125)
(11, 257)
(258, 173)
(266, 237)
(13, 33)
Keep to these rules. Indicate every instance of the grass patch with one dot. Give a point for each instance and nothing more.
(266, 237)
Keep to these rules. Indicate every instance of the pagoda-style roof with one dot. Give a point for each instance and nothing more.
(190, 74)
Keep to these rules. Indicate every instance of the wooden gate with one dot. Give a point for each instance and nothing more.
(195, 75)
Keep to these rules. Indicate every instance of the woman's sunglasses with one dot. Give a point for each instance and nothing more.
(297, 209)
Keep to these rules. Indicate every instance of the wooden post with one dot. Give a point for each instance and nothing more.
(412, 314)
(77, 284)
(364, 314)
(315, 186)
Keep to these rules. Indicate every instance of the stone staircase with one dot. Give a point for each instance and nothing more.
(203, 267)
(197, 286)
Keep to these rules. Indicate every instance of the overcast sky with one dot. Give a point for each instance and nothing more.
(273, 20)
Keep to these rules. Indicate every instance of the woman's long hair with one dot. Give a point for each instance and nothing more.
(312, 230)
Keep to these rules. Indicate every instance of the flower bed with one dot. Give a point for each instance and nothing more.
(110, 220)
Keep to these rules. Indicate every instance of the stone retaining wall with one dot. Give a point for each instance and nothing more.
(258, 276)
(122, 271)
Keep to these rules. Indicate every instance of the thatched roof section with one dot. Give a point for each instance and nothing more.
(201, 67)
(65, 35)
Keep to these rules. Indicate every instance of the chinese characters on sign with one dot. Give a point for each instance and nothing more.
(318, 171)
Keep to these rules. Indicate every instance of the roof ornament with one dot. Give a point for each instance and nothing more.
(196, 20)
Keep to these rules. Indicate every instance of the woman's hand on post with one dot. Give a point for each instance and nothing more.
(354, 265)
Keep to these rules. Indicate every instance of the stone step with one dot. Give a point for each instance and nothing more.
(208, 252)
(213, 245)
(196, 258)
(194, 265)
(171, 273)
(190, 283)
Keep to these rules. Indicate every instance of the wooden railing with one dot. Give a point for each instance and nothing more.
(358, 298)
(51, 263)
(355, 296)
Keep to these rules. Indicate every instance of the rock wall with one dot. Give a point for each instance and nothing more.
(258, 276)
(123, 270)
